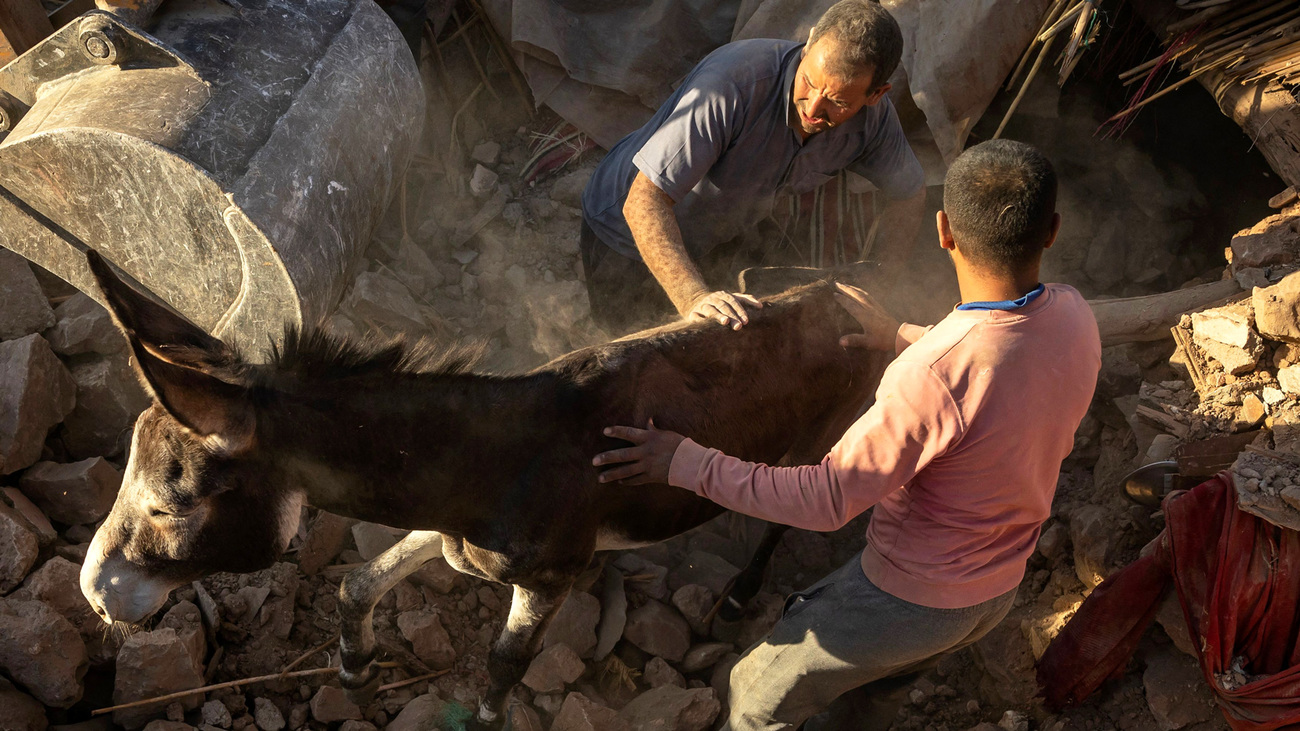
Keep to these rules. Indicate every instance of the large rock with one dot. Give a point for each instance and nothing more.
(1277, 309)
(152, 664)
(25, 309)
(659, 631)
(1006, 664)
(75, 494)
(36, 392)
(568, 189)
(429, 640)
(41, 651)
(109, 397)
(325, 538)
(421, 714)
(36, 520)
(1233, 359)
(707, 569)
(695, 601)
(19, 711)
(84, 326)
(438, 575)
(553, 668)
(373, 539)
(267, 715)
(1274, 240)
(331, 704)
(669, 708)
(19, 547)
(1289, 379)
(184, 618)
(704, 655)
(1176, 690)
(658, 672)
(575, 624)
(57, 583)
(580, 713)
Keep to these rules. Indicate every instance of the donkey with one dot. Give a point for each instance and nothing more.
(496, 466)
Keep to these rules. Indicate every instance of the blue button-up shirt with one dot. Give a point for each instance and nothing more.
(722, 148)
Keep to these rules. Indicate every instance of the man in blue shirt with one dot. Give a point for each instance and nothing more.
(754, 119)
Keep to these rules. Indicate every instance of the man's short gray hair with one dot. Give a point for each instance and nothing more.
(868, 38)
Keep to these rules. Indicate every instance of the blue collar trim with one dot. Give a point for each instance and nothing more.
(1005, 304)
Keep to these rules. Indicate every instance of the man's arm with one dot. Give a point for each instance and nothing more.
(649, 214)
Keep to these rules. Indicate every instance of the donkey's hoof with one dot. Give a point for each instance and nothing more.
(360, 687)
(730, 610)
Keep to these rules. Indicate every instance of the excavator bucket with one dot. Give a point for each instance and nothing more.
(231, 156)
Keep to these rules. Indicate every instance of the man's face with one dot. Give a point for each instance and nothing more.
(823, 99)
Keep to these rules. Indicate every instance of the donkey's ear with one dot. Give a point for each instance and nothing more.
(188, 371)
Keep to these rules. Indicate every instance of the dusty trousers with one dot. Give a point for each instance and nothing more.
(846, 647)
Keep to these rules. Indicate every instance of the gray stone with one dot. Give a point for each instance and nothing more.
(36, 392)
(429, 640)
(1176, 690)
(357, 726)
(580, 713)
(42, 652)
(331, 704)
(553, 668)
(438, 575)
(416, 270)
(658, 630)
(215, 713)
(19, 546)
(325, 538)
(109, 397)
(483, 181)
(421, 714)
(695, 601)
(373, 539)
(703, 568)
(185, 619)
(25, 310)
(382, 303)
(151, 664)
(1277, 309)
(575, 624)
(267, 715)
(656, 586)
(1053, 541)
(57, 583)
(668, 708)
(568, 189)
(486, 152)
(36, 520)
(1093, 535)
(658, 672)
(704, 655)
(1274, 240)
(19, 711)
(76, 493)
(84, 326)
(162, 724)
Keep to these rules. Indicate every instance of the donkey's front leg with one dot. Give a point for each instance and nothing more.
(531, 610)
(358, 595)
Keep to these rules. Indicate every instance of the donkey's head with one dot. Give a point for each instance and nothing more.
(195, 498)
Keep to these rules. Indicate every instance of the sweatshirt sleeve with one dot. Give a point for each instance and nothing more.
(913, 420)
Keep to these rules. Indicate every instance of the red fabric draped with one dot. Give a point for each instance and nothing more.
(1238, 581)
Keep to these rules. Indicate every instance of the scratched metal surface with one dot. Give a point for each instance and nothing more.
(236, 164)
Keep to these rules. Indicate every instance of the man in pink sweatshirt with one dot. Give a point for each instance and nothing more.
(959, 455)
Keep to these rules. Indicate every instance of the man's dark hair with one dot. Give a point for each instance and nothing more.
(1000, 198)
(868, 38)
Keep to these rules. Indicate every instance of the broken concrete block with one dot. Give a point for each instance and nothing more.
(580, 713)
(331, 704)
(1277, 309)
(575, 624)
(25, 310)
(429, 640)
(153, 664)
(553, 668)
(1229, 325)
(1289, 379)
(486, 152)
(1274, 240)
(568, 189)
(670, 707)
(36, 392)
(84, 326)
(19, 546)
(1233, 359)
(73, 494)
(19, 711)
(1252, 411)
(1176, 689)
(42, 652)
(109, 397)
(36, 520)
(483, 181)
(658, 630)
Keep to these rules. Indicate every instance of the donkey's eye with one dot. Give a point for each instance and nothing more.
(174, 512)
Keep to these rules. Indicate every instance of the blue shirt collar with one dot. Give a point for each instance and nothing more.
(1005, 304)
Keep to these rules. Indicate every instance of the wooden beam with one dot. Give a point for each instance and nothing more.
(23, 24)
(1142, 319)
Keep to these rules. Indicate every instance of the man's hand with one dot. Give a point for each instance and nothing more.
(646, 462)
(728, 308)
(879, 328)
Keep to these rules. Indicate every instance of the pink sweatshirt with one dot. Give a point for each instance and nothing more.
(960, 453)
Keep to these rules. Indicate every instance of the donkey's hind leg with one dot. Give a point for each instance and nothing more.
(745, 586)
(531, 611)
(358, 595)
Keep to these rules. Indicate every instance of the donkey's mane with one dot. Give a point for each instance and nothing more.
(313, 353)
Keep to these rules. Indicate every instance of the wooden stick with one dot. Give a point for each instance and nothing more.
(412, 681)
(1029, 79)
(1193, 367)
(1133, 108)
(458, 32)
(227, 684)
(1048, 19)
(1050, 33)
(473, 57)
(303, 657)
(499, 45)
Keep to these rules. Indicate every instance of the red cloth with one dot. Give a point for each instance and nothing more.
(1238, 580)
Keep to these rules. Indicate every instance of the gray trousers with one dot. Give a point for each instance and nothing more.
(850, 647)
